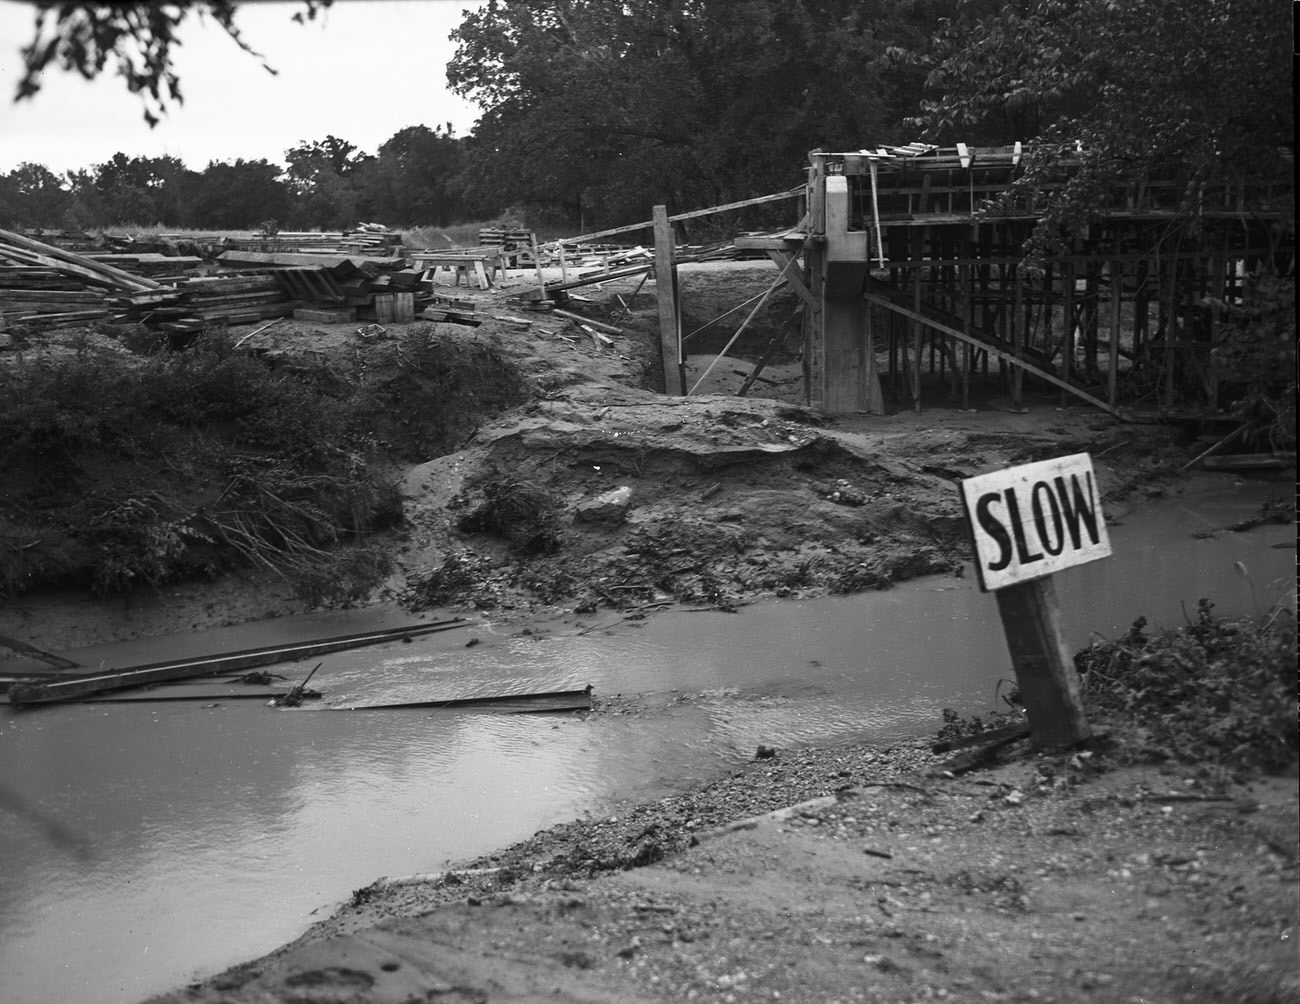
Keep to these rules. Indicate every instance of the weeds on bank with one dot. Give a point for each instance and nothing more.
(124, 471)
(1222, 691)
(521, 513)
(148, 466)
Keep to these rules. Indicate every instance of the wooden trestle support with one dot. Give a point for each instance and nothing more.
(913, 263)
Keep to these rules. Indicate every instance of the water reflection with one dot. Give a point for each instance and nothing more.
(217, 831)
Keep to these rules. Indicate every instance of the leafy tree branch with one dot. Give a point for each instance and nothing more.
(135, 40)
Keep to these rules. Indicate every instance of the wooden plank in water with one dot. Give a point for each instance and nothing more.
(1242, 462)
(184, 691)
(507, 704)
(44, 692)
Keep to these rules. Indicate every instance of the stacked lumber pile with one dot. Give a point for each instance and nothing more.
(356, 290)
(516, 248)
(44, 286)
(261, 260)
(193, 304)
(149, 263)
(365, 238)
(69, 240)
(450, 310)
(40, 297)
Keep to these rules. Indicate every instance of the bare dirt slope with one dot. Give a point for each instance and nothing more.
(731, 498)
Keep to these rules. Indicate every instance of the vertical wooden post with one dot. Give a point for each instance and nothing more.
(1045, 674)
(968, 323)
(894, 335)
(1218, 290)
(1141, 308)
(537, 262)
(1171, 326)
(918, 251)
(1017, 337)
(666, 293)
(1092, 299)
(873, 399)
(1116, 316)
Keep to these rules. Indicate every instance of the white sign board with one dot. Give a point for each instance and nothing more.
(1034, 520)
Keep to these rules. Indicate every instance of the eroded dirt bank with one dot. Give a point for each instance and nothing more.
(726, 499)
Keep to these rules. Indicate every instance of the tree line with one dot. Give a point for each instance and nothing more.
(593, 111)
(415, 178)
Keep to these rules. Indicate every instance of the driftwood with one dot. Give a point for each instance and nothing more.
(298, 692)
(506, 704)
(992, 742)
(982, 738)
(160, 672)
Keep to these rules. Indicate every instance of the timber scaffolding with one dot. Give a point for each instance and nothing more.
(912, 260)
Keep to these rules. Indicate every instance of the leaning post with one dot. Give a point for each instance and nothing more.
(666, 293)
(1026, 523)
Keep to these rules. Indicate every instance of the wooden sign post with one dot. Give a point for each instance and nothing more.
(1026, 523)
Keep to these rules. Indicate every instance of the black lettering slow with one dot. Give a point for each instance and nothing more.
(1054, 542)
(1078, 504)
(1018, 528)
(990, 525)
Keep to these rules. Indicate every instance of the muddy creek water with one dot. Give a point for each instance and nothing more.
(211, 834)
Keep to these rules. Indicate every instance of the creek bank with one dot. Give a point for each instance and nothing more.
(1155, 862)
(1046, 878)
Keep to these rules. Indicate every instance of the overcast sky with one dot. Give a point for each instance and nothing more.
(362, 71)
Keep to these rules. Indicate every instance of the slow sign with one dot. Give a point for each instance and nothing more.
(1034, 520)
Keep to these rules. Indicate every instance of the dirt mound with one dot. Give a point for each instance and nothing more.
(725, 499)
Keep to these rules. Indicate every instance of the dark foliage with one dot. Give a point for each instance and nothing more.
(1216, 691)
(124, 470)
(519, 512)
(598, 110)
(135, 39)
(1104, 92)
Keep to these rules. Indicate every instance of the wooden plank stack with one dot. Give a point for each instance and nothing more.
(149, 263)
(45, 286)
(365, 238)
(516, 248)
(355, 290)
(192, 305)
(40, 297)
(450, 310)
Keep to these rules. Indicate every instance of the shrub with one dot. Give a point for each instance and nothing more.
(123, 471)
(1220, 690)
(520, 513)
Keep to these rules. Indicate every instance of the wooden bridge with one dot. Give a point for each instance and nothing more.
(912, 262)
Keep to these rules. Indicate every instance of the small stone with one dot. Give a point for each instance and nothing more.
(611, 507)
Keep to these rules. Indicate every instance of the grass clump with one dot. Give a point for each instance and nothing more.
(521, 513)
(1221, 691)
